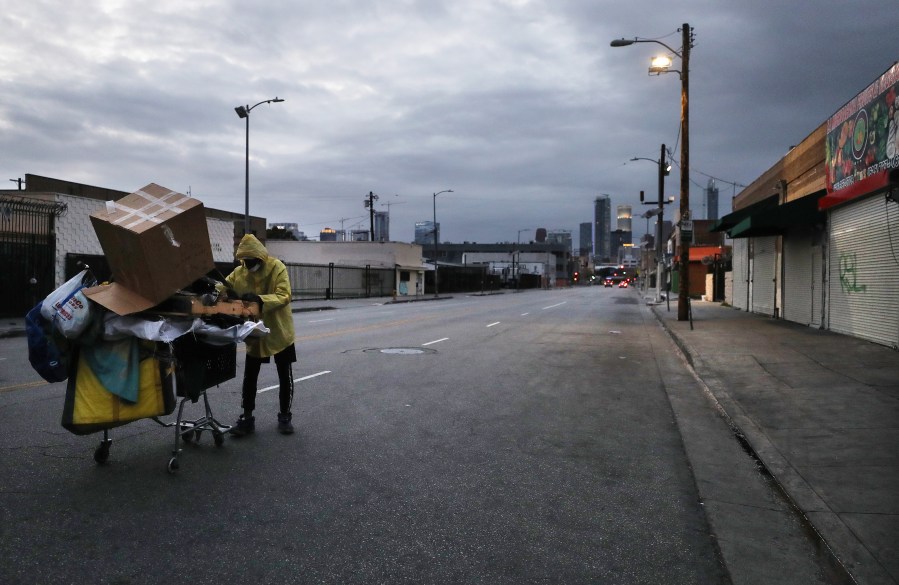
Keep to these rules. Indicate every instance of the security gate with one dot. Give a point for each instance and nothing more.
(740, 273)
(863, 271)
(764, 275)
(27, 252)
(803, 278)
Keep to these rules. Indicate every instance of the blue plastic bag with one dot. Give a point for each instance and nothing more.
(46, 356)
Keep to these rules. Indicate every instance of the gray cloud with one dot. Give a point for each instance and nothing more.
(521, 107)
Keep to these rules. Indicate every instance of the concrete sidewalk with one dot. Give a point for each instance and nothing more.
(820, 411)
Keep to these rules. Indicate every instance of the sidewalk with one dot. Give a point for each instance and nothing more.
(821, 413)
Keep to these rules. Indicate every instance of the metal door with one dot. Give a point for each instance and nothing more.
(27, 252)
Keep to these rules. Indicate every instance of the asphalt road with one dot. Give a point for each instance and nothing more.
(519, 438)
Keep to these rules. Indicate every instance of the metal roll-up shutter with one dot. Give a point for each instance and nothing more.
(740, 273)
(764, 274)
(798, 279)
(863, 266)
(817, 283)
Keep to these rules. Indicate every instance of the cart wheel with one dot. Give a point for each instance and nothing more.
(102, 453)
(173, 465)
(219, 438)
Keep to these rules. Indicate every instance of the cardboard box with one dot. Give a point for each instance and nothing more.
(156, 242)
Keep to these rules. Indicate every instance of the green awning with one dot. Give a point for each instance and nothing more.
(775, 221)
(732, 219)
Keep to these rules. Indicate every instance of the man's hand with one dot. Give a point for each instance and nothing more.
(252, 298)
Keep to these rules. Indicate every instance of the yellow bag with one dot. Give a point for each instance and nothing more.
(90, 407)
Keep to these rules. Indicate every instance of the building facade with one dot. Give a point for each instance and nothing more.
(816, 237)
(602, 229)
(382, 226)
(425, 231)
(585, 240)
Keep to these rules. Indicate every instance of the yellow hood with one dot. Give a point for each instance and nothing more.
(251, 247)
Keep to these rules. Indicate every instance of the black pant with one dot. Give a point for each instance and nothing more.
(283, 361)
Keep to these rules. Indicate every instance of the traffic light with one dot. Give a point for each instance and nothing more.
(576, 275)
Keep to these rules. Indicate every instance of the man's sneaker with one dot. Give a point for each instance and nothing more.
(284, 425)
(244, 426)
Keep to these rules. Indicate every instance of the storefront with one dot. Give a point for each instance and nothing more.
(862, 206)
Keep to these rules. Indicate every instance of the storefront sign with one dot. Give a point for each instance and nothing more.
(863, 139)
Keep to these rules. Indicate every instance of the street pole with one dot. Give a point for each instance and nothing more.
(244, 112)
(436, 237)
(660, 258)
(664, 67)
(246, 182)
(683, 299)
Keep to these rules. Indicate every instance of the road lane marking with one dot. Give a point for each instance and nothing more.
(495, 323)
(525, 314)
(321, 320)
(556, 305)
(309, 377)
(24, 385)
(436, 341)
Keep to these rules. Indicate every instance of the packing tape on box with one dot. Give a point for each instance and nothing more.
(140, 215)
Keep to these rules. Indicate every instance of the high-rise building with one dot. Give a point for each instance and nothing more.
(291, 228)
(382, 226)
(624, 218)
(602, 228)
(560, 237)
(424, 232)
(585, 241)
(327, 235)
(711, 200)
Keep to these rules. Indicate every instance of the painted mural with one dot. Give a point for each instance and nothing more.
(863, 136)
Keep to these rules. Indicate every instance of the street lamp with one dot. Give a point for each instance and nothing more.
(436, 271)
(244, 112)
(517, 261)
(658, 67)
(664, 169)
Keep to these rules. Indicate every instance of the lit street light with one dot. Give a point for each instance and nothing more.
(244, 112)
(657, 67)
(436, 237)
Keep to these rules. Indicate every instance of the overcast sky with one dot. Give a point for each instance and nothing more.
(520, 107)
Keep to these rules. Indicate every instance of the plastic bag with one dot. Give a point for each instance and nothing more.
(48, 359)
(68, 308)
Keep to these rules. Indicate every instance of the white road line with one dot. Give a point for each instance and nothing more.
(492, 324)
(556, 305)
(436, 341)
(297, 380)
(321, 320)
(525, 314)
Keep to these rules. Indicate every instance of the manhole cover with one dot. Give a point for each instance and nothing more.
(400, 350)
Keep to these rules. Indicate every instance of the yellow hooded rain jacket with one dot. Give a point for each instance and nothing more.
(272, 285)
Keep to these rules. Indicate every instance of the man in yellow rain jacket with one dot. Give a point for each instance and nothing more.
(263, 279)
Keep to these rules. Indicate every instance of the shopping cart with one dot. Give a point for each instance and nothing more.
(198, 367)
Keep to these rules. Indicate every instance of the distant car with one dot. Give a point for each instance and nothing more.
(622, 284)
(608, 283)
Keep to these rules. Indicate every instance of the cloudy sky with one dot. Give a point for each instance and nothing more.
(520, 107)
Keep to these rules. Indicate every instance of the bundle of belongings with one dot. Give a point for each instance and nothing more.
(117, 343)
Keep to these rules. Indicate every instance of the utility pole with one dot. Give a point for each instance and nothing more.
(370, 203)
